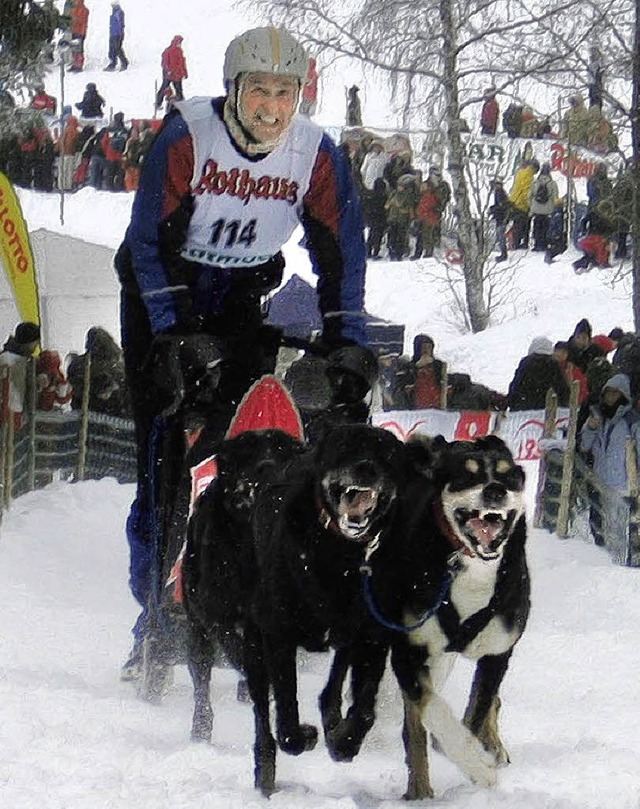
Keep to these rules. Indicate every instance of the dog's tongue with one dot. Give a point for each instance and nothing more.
(485, 532)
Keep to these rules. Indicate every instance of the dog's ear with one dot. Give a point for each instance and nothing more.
(425, 453)
(493, 442)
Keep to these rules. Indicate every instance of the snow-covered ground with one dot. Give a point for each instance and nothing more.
(73, 737)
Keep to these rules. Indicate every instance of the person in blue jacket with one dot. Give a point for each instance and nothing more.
(116, 38)
(604, 436)
(224, 186)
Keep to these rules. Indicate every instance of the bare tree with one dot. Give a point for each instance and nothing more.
(441, 52)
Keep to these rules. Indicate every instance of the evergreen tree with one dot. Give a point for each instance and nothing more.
(26, 33)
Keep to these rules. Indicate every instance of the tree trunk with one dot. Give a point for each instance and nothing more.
(635, 146)
(469, 242)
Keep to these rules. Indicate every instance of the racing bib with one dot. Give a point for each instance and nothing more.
(245, 210)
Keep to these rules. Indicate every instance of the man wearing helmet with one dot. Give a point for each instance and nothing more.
(225, 184)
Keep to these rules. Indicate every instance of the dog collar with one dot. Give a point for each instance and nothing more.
(445, 526)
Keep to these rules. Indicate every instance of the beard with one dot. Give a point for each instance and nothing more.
(609, 411)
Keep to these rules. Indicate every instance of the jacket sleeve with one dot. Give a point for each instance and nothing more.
(334, 230)
(160, 216)
(587, 438)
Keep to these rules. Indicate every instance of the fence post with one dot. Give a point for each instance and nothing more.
(632, 477)
(562, 525)
(8, 472)
(4, 421)
(83, 433)
(443, 387)
(30, 409)
(550, 418)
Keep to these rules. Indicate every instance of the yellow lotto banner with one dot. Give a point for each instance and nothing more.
(16, 255)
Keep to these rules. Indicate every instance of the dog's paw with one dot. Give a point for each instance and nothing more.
(304, 738)
(342, 743)
(481, 770)
(345, 739)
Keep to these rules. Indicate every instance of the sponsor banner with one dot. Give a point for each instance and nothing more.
(15, 254)
(521, 430)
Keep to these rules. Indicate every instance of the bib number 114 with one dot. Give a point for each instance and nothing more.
(228, 233)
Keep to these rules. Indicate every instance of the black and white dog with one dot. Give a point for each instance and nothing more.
(466, 591)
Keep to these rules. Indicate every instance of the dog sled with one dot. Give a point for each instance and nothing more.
(268, 404)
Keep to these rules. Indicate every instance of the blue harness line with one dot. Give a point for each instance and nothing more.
(367, 591)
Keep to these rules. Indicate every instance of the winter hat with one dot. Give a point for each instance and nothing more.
(27, 333)
(604, 342)
(583, 327)
(50, 362)
(418, 341)
(616, 333)
(541, 345)
(621, 383)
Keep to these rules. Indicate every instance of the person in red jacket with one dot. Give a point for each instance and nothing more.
(54, 391)
(43, 102)
(79, 23)
(309, 95)
(561, 353)
(174, 70)
(434, 196)
(490, 112)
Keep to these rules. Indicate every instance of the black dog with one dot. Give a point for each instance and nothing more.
(219, 568)
(466, 591)
(313, 535)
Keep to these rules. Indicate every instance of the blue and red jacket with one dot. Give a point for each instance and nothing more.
(331, 218)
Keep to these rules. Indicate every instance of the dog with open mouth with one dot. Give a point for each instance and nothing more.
(466, 591)
(313, 535)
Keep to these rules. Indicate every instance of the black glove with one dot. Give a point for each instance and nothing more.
(352, 371)
(184, 371)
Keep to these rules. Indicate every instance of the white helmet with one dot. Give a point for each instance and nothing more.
(265, 50)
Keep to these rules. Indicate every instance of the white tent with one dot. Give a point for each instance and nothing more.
(78, 289)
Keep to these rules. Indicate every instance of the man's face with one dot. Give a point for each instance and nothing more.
(581, 339)
(267, 104)
(611, 397)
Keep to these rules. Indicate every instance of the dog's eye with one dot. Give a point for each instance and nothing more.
(472, 466)
(503, 466)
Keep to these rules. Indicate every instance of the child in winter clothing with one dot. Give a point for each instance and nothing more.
(54, 390)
